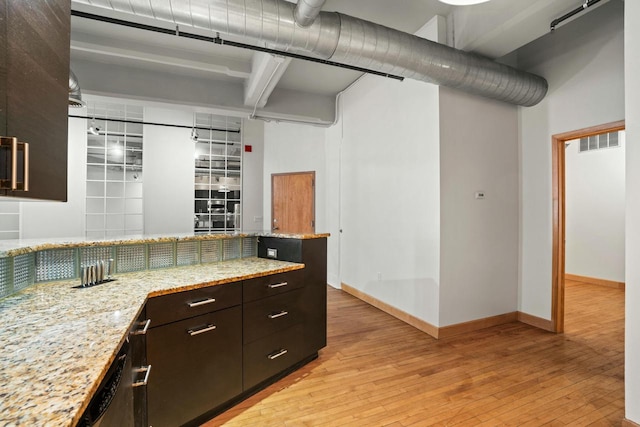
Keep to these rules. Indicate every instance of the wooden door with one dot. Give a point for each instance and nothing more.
(293, 203)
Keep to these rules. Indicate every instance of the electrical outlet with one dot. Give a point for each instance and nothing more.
(257, 219)
(272, 253)
(479, 195)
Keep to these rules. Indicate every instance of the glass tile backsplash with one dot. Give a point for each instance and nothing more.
(21, 271)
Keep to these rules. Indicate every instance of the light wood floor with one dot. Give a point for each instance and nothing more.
(378, 371)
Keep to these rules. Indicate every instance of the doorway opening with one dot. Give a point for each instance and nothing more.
(558, 211)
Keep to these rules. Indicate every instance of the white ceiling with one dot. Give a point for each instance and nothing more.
(494, 29)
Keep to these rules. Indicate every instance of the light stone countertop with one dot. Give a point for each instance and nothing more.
(58, 342)
(13, 247)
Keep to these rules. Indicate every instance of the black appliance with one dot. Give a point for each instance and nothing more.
(112, 404)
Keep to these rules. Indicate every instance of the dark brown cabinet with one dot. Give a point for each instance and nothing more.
(212, 347)
(196, 361)
(34, 92)
(272, 326)
(313, 301)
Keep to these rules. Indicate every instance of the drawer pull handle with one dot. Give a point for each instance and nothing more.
(207, 328)
(277, 285)
(147, 371)
(144, 330)
(276, 315)
(277, 354)
(202, 302)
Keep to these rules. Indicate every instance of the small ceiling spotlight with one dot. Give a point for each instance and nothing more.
(94, 130)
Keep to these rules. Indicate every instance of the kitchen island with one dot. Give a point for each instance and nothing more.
(59, 341)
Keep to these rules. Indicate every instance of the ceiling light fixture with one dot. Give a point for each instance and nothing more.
(94, 130)
(463, 2)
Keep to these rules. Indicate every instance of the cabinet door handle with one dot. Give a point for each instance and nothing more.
(277, 285)
(202, 330)
(25, 169)
(276, 315)
(277, 354)
(144, 330)
(145, 380)
(202, 302)
(11, 183)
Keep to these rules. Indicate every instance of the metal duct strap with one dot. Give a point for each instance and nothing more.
(344, 39)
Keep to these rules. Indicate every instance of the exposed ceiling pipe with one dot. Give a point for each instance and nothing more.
(306, 11)
(75, 95)
(345, 39)
(585, 5)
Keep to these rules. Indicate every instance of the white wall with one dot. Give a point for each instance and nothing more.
(478, 237)
(252, 176)
(594, 211)
(295, 148)
(584, 64)
(384, 181)
(632, 105)
(168, 179)
(390, 193)
(333, 153)
(57, 219)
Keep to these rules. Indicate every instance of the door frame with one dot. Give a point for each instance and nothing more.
(558, 211)
(313, 207)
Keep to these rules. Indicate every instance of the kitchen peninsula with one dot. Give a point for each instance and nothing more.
(59, 341)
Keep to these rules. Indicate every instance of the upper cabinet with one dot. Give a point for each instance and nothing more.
(34, 93)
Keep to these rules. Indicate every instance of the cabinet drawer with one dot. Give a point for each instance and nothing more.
(274, 284)
(270, 355)
(183, 305)
(269, 315)
(196, 366)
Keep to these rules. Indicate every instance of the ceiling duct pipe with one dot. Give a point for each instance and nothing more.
(306, 11)
(345, 39)
(75, 95)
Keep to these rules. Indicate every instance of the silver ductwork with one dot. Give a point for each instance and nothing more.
(306, 11)
(345, 39)
(75, 95)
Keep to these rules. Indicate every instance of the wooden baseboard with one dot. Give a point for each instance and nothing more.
(595, 281)
(474, 325)
(629, 423)
(419, 324)
(535, 321)
(434, 331)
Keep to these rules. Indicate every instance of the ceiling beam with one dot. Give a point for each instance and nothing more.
(235, 70)
(266, 71)
(499, 27)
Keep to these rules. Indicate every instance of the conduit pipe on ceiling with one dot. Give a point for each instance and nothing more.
(345, 39)
(306, 11)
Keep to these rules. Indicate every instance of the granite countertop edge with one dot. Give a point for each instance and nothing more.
(59, 341)
(14, 248)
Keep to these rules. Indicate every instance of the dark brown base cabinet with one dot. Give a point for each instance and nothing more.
(193, 374)
(212, 347)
